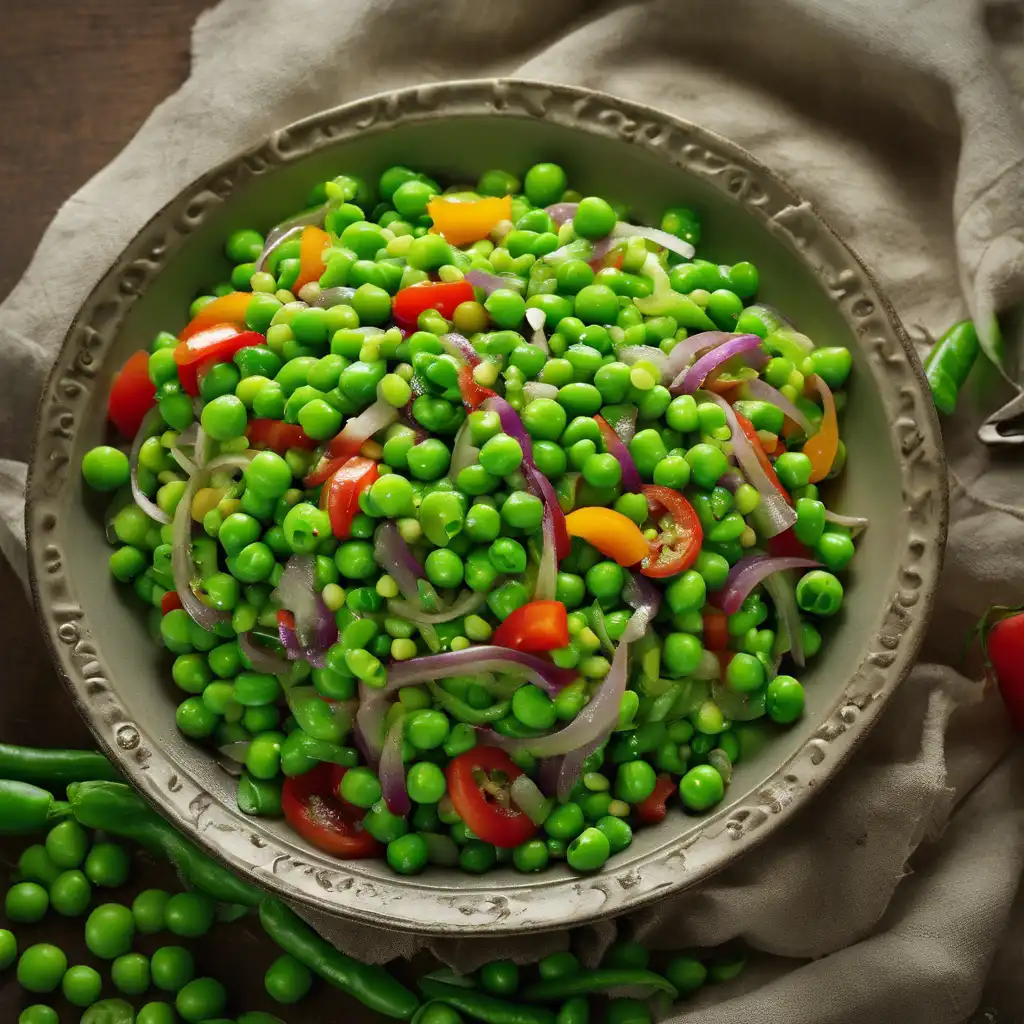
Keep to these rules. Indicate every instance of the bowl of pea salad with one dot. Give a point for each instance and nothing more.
(484, 506)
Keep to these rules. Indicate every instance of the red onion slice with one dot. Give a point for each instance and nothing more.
(773, 515)
(631, 481)
(547, 571)
(369, 731)
(492, 282)
(690, 348)
(459, 346)
(853, 523)
(392, 554)
(662, 238)
(562, 213)
(572, 765)
(464, 452)
(779, 587)
(151, 424)
(485, 658)
(751, 570)
(632, 354)
(331, 297)
(262, 658)
(468, 602)
(288, 229)
(691, 379)
(182, 566)
(392, 772)
(762, 390)
(297, 594)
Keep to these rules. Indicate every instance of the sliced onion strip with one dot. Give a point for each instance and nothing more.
(467, 603)
(762, 390)
(662, 238)
(392, 554)
(392, 772)
(261, 658)
(690, 379)
(748, 572)
(529, 799)
(151, 423)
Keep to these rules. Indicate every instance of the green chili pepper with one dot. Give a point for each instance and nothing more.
(949, 363)
(601, 980)
(463, 712)
(371, 985)
(482, 1006)
(116, 808)
(54, 767)
(25, 808)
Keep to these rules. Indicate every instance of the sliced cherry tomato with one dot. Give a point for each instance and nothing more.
(169, 602)
(132, 395)
(755, 443)
(479, 783)
(473, 394)
(324, 470)
(228, 309)
(311, 264)
(340, 495)
(535, 627)
(465, 222)
(216, 344)
(716, 629)
(443, 296)
(786, 545)
(679, 540)
(612, 533)
(312, 808)
(823, 447)
(652, 809)
(278, 436)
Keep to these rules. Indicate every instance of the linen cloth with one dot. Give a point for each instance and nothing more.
(896, 897)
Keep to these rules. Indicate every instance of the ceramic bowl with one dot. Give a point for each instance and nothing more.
(895, 475)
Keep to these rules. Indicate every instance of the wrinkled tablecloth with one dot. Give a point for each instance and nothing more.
(896, 897)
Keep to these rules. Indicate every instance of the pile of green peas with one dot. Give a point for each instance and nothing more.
(69, 874)
(480, 529)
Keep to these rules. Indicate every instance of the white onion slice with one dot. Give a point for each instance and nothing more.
(150, 424)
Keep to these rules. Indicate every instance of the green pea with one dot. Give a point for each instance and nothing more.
(108, 865)
(707, 465)
(109, 930)
(201, 999)
(105, 468)
(441, 516)
(501, 455)
(648, 450)
(130, 974)
(429, 459)
(482, 523)
(189, 914)
(605, 580)
(544, 419)
(172, 968)
(579, 399)
(26, 902)
(835, 550)
(533, 707)
(81, 985)
(67, 844)
(819, 592)
(701, 788)
(444, 568)
(784, 700)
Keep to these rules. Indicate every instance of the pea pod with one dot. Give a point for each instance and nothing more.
(949, 362)
(371, 985)
(116, 808)
(481, 1006)
(25, 808)
(602, 980)
(54, 767)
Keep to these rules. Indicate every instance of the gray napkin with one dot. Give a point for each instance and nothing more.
(890, 898)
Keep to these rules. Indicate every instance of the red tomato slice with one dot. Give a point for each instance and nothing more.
(716, 629)
(340, 495)
(324, 470)
(537, 626)
(786, 545)
(679, 541)
(443, 296)
(169, 602)
(132, 395)
(312, 808)
(473, 394)
(216, 344)
(652, 810)
(755, 443)
(478, 783)
(278, 436)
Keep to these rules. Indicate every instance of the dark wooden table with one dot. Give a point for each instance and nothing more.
(78, 78)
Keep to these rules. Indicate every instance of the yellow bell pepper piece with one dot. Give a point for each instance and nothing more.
(823, 447)
(206, 499)
(462, 223)
(612, 533)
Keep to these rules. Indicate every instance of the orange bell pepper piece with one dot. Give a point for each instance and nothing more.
(612, 533)
(311, 263)
(823, 447)
(228, 309)
(462, 223)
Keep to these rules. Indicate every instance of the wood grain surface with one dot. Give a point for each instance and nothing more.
(77, 79)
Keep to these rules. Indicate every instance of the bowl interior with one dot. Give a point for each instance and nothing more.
(133, 700)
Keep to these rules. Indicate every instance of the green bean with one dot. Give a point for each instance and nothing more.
(54, 767)
(371, 985)
(601, 980)
(463, 712)
(949, 362)
(483, 1007)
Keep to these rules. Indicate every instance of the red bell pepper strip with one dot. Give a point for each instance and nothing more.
(340, 495)
(652, 809)
(278, 436)
(214, 345)
(755, 443)
(443, 296)
(535, 627)
(132, 395)
(313, 809)
(169, 602)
